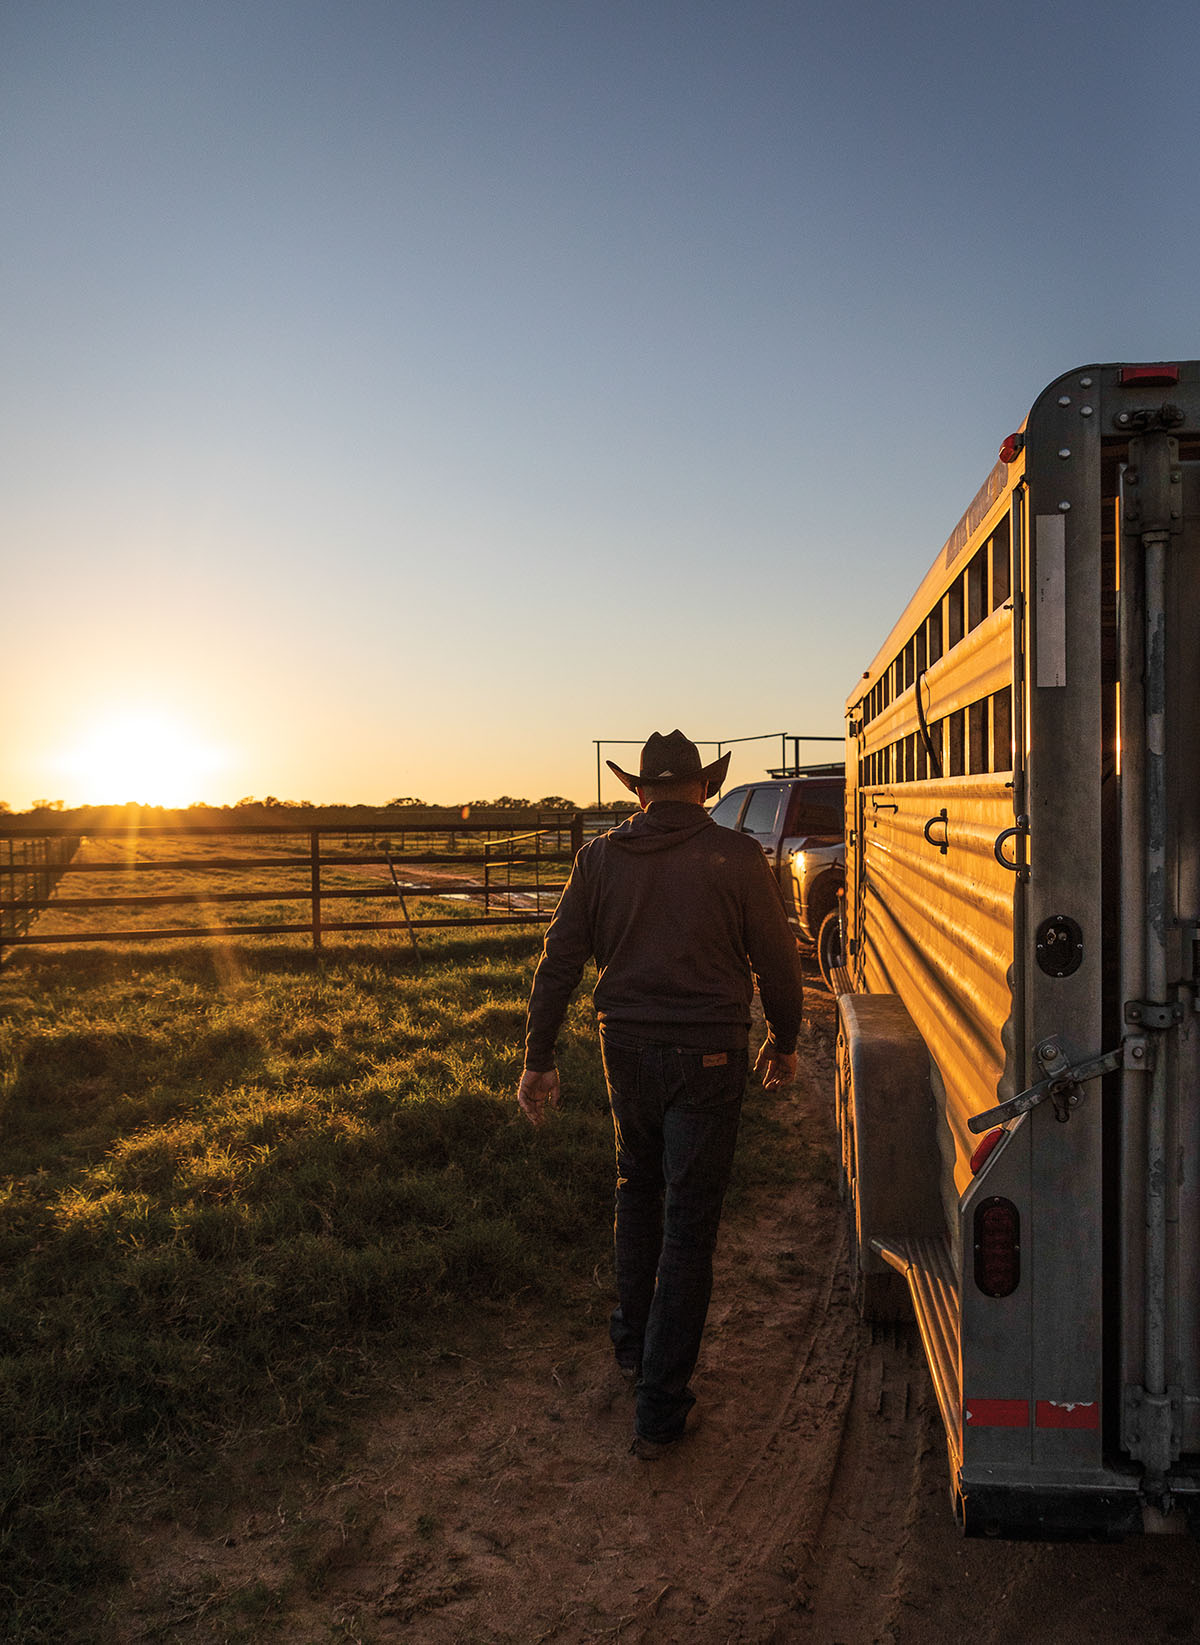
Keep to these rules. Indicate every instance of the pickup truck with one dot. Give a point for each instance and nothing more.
(799, 820)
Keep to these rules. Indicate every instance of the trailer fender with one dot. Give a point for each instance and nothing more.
(891, 1162)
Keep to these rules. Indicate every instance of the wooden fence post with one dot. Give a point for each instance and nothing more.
(315, 837)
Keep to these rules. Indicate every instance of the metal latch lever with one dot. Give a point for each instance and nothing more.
(1061, 1085)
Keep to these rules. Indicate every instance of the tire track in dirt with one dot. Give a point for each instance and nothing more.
(772, 1502)
(855, 1554)
(819, 1515)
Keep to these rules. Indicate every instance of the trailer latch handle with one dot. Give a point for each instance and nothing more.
(1062, 1081)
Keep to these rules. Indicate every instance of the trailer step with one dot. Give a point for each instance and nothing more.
(925, 1264)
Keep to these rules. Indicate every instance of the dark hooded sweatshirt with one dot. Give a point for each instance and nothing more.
(678, 913)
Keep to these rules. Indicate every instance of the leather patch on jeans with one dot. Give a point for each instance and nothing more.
(715, 1059)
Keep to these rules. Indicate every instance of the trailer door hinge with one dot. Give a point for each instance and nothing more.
(1063, 1080)
(1154, 1427)
(1149, 1014)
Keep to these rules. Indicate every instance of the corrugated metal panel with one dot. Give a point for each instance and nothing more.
(976, 669)
(938, 932)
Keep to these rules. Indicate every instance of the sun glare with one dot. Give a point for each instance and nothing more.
(148, 757)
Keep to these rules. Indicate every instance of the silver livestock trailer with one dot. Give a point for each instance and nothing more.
(1018, 1092)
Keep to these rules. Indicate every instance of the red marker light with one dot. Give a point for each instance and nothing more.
(983, 1153)
(997, 1247)
(1012, 448)
(1149, 376)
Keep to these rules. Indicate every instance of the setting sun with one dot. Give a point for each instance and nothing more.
(146, 756)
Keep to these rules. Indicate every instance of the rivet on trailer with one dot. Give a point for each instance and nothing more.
(1022, 935)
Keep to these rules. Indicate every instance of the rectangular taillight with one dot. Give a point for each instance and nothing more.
(997, 1247)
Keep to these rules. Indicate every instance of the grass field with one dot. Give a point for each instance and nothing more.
(240, 1184)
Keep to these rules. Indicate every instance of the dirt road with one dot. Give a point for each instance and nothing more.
(498, 1503)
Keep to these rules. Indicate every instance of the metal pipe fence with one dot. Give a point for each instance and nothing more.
(512, 858)
(31, 868)
(515, 878)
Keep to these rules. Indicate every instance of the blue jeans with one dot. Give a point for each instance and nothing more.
(675, 1118)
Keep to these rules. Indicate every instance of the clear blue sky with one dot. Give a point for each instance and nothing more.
(395, 397)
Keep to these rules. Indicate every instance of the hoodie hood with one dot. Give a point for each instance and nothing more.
(664, 824)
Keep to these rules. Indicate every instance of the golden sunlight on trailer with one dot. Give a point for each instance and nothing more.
(1018, 1052)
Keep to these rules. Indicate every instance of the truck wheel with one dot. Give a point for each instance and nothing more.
(890, 1156)
(879, 1298)
(830, 947)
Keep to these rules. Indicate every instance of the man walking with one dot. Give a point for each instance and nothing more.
(678, 914)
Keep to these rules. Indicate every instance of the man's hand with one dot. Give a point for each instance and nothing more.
(777, 1068)
(536, 1090)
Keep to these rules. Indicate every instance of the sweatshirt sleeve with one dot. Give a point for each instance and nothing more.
(566, 951)
(774, 958)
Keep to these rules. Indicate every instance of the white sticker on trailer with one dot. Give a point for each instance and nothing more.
(1051, 600)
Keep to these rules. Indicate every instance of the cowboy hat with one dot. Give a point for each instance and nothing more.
(673, 759)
